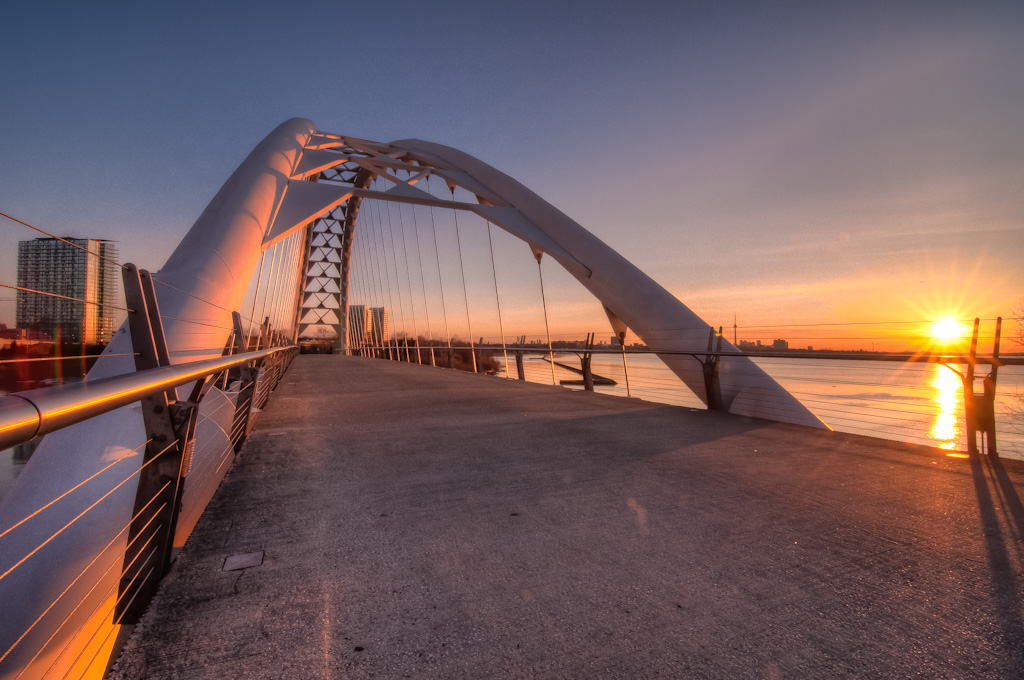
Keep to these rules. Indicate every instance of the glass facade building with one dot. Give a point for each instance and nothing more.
(367, 325)
(88, 281)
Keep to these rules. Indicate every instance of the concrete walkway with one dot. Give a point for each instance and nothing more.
(422, 522)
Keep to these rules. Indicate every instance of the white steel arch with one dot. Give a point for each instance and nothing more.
(296, 177)
(630, 297)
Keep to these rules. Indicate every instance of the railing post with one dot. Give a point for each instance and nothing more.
(519, 365)
(712, 388)
(170, 427)
(247, 376)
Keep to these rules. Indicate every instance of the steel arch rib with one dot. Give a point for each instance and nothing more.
(660, 319)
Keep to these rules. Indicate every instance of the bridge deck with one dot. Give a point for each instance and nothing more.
(432, 523)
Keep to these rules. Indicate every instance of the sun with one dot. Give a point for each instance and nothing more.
(947, 329)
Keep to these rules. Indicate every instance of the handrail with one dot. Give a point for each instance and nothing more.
(29, 414)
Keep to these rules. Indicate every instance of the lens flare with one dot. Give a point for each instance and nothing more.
(947, 329)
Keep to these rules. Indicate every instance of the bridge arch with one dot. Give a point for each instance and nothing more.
(299, 191)
(629, 297)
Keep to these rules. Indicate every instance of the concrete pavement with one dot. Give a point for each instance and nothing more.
(420, 522)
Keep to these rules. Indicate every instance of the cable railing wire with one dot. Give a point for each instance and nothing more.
(81, 514)
(64, 297)
(87, 567)
(132, 453)
(62, 357)
(73, 245)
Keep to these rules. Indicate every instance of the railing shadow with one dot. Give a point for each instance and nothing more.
(1001, 539)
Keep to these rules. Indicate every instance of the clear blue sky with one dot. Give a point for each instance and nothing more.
(792, 161)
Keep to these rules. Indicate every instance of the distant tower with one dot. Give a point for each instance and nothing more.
(88, 276)
(379, 324)
(734, 330)
(359, 325)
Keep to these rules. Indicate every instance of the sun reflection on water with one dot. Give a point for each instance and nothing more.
(946, 429)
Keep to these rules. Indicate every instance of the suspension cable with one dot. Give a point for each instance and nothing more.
(270, 284)
(378, 288)
(196, 297)
(440, 282)
(465, 293)
(423, 284)
(380, 225)
(408, 277)
(255, 297)
(547, 329)
(398, 285)
(357, 275)
(365, 276)
(494, 272)
(281, 284)
(270, 312)
(398, 282)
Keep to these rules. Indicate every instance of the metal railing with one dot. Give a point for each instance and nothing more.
(33, 413)
(926, 397)
(122, 517)
(115, 586)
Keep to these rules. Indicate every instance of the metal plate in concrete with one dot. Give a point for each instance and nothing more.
(244, 561)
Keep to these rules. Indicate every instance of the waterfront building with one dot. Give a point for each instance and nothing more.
(378, 325)
(86, 279)
(359, 324)
(367, 325)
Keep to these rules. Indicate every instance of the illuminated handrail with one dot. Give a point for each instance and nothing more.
(29, 414)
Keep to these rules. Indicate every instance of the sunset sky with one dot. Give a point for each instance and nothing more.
(792, 163)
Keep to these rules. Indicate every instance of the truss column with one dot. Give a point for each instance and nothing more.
(351, 215)
(346, 262)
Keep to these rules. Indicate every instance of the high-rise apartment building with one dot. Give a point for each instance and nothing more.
(378, 325)
(367, 325)
(359, 325)
(83, 276)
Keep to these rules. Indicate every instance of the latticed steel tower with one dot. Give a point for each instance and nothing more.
(321, 295)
